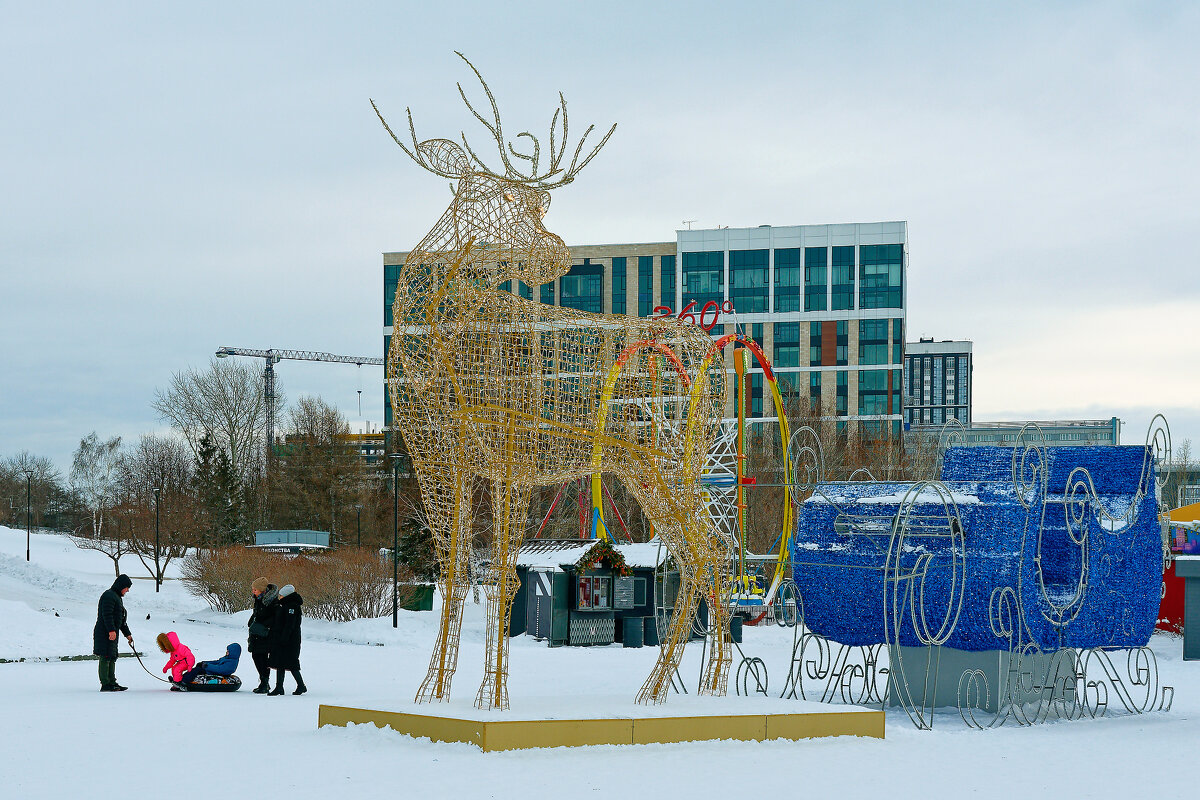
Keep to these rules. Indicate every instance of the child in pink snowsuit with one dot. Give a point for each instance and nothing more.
(179, 657)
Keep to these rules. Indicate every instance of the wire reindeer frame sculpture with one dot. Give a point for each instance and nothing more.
(1057, 654)
(485, 384)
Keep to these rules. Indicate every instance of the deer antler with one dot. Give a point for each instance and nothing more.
(418, 153)
(555, 176)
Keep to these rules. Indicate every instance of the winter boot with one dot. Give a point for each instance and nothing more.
(278, 684)
(264, 686)
(300, 687)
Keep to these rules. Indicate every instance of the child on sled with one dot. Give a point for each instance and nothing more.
(179, 656)
(225, 666)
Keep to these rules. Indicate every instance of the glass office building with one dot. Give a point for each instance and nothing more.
(825, 302)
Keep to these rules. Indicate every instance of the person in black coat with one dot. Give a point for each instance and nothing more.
(262, 619)
(110, 618)
(284, 643)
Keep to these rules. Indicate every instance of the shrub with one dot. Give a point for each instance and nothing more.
(339, 585)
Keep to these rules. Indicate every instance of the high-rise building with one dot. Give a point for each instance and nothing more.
(937, 382)
(825, 302)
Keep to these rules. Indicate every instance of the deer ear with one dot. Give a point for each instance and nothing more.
(445, 156)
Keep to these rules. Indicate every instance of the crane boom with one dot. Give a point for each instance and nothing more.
(297, 355)
(272, 357)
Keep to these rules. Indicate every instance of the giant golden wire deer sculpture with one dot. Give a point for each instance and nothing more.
(485, 384)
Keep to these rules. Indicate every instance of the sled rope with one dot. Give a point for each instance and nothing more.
(148, 672)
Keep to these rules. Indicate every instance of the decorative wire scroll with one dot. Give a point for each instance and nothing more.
(488, 385)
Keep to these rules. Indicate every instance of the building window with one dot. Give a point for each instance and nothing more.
(580, 287)
(391, 277)
(898, 342)
(816, 285)
(748, 280)
(645, 285)
(937, 382)
(618, 285)
(787, 280)
(703, 278)
(789, 386)
(843, 342)
(787, 344)
(814, 392)
(548, 293)
(872, 341)
(880, 270)
(843, 278)
(666, 266)
(814, 344)
(843, 392)
(873, 392)
(756, 394)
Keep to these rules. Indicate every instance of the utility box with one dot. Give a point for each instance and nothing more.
(420, 597)
(1188, 568)
(632, 632)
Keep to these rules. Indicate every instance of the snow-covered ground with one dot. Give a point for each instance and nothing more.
(61, 738)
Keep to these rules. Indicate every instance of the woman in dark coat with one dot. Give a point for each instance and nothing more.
(110, 618)
(262, 619)
(284, 641)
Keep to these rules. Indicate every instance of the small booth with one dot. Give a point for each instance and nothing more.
(1183, 534)
(590, 592)
(290, 542)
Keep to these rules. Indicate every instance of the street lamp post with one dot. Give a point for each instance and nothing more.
(358, 523)
(395, 539)
(157, 569)
(28, 509)
(332, 518)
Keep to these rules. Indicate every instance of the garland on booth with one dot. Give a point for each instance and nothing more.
(606, 554)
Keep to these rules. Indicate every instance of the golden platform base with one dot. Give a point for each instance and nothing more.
(513, 732)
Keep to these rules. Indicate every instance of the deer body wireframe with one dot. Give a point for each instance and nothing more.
(486, 384)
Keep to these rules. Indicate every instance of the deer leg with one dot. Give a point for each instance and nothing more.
(510, 505)
(679, 630)
(448, 505)
(715, 674)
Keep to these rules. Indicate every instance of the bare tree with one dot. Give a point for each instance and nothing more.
(44, 493)
(162, 525)
(224, 402)
(318, 472)
(94, 476)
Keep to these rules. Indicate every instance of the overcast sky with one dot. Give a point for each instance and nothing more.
(177, 177)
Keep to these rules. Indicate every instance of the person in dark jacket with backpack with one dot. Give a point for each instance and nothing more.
(110, 618)
(262, 619)
(285, 640)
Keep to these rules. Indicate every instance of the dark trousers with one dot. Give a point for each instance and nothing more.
(260, 664)
(108, 672)
(193, 672)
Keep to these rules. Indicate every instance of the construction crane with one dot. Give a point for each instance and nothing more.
(273, 357)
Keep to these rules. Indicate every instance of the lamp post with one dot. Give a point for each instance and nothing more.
(28, 509)
(157, 570)
(332, 519)
(395, 457)
(358, 521)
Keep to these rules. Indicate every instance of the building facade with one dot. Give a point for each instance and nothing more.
(937, 382)
(1055, 433)
(825, 302)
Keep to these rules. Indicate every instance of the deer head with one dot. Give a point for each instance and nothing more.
(499, 213)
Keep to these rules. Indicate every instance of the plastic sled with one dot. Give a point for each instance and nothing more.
(213, 683)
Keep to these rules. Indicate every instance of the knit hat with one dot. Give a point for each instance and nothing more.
(286, 590)
(260, 585)
(122, 582)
